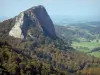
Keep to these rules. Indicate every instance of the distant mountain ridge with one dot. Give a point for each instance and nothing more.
(67, 20)
(89, 31)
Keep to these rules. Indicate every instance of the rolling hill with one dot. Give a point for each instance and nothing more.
(83, 36)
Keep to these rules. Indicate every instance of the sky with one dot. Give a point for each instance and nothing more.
(81, 9)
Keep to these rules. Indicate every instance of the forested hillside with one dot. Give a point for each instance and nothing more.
(29, 45)
(44, 56)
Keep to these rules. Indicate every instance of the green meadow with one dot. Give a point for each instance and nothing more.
(87, 47)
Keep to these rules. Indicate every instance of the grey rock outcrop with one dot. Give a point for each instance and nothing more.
(35, 16)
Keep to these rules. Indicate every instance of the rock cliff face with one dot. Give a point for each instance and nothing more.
(35, 16)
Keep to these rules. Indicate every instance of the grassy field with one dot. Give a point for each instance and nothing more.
(87, 47)
(96, 54)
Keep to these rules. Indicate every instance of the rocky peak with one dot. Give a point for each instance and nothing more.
(35, 16)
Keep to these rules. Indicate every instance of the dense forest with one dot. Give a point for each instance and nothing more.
(42, 55)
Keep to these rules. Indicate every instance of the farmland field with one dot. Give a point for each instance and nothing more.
(87, 47)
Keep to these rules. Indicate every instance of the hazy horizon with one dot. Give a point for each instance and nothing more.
(73, 9)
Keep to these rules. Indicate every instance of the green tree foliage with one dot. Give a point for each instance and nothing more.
(41, 55)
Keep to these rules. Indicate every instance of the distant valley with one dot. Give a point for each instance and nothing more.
(83, 36)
